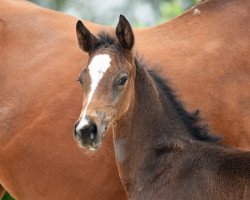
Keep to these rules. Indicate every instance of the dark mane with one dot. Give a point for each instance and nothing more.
(106, 40)
(189, 119)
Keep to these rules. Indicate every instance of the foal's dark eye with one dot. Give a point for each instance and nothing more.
(122, 81)
(80, 80)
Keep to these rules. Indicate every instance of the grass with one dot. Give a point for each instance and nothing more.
(7, 197)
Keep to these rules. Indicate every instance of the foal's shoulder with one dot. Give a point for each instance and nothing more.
(232, 163)
(225, 159)
(238, 161)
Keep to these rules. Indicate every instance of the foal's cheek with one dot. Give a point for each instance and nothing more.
(115, 94)
(125, 99)
(118, 94)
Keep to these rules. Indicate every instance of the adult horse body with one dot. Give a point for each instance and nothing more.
(161, 151)
(38, 158)
(40, 63)
(208, 48)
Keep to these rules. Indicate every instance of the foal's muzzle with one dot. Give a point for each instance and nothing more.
(87, 135)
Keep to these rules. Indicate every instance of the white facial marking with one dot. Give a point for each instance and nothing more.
(97, 68)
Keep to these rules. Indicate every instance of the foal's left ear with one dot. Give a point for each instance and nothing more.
(124, 33)
(86, 40)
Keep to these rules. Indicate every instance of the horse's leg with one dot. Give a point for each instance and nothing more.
(2, 191)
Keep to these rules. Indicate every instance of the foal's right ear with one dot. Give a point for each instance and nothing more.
(86, 40)
(125, 33)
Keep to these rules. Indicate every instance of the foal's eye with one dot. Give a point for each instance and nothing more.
(80, 80)
(122, 81)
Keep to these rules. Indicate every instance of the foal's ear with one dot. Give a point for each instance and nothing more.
(86, 40)
(124, 33)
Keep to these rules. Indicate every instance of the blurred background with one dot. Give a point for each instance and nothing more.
(140, 13)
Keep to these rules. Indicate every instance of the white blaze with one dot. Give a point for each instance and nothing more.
(97, 67)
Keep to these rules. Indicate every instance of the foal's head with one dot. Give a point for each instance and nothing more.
(107, 81)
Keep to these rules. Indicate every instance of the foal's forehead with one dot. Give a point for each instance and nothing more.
(100, 62)
(106, 59)
(98, 65)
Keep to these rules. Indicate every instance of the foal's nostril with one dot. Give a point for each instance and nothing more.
(93, 131)
(87, 133)
(93, 128)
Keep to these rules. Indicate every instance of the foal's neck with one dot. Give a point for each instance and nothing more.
(150, 127)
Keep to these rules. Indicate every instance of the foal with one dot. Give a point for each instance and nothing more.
(161, 152)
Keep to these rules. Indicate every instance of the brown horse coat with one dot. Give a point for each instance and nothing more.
(206, 55)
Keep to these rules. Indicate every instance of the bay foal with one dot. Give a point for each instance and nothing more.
(161, 152)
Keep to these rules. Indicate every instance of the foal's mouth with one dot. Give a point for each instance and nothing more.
(90, 147)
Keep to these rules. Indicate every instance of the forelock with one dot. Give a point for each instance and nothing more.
(108, 42)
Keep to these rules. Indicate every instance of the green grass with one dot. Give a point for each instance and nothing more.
(7, 197)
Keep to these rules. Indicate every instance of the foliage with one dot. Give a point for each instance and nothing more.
(53, 4)
(172, 8)
(7, 197)
(140, 13)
